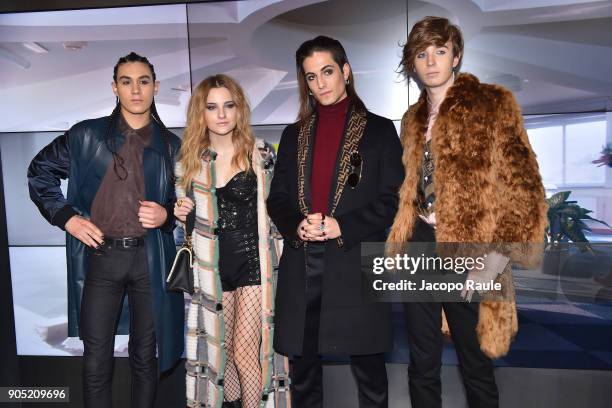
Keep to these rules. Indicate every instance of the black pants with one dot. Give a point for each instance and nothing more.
(109, 274)
(369, 371)
(423, 321)
(425, 341)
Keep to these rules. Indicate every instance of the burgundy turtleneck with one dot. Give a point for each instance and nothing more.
(330, 127)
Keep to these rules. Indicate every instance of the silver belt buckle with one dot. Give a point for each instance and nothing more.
(129, 242)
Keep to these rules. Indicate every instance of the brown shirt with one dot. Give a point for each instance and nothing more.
(115, 208)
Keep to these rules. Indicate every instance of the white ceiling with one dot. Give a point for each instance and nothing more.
(260, 51)
(62, 87)
(555, 55)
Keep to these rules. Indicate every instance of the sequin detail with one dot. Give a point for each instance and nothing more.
(237, 228)
(237, 202)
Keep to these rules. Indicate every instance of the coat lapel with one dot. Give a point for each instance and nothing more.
(352, 137)
(304, 162)
(154, 165)
(337, 162)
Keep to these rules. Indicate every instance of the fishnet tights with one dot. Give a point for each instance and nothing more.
(242, 317)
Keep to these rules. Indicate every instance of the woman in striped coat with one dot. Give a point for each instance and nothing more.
(225, 177)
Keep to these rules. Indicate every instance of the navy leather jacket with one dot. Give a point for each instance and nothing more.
(81, 156)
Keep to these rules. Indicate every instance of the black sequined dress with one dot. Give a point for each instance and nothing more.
(237, 228)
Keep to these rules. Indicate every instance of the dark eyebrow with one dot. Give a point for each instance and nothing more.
(224, 103)
(322, 69)
(434, 45)
(140, 77)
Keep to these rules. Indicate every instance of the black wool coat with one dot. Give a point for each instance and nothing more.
(349, 324)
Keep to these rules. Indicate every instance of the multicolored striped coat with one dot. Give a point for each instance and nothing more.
(205, 341)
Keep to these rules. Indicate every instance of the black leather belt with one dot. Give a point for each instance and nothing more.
(123, 242)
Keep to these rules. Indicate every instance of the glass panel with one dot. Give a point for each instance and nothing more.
(66, 58)
(547, 143)
(26, 226)
(40, 302)
(584, 142)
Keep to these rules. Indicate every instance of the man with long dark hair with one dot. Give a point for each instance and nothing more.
(335, 185)
(119, 220)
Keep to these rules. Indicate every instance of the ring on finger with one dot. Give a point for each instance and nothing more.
(179, 203)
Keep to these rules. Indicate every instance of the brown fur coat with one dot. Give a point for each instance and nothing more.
(487, 185)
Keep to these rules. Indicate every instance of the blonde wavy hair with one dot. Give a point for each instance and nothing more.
(196, 139)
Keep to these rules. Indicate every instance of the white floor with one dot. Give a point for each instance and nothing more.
(40, 302)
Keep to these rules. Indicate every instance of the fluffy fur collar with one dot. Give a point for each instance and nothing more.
(487, 185)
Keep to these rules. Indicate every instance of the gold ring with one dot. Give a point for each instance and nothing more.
(179, 202)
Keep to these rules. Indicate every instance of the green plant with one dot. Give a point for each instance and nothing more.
(606, 156)
(566, 220)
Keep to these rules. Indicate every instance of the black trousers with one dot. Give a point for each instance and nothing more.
(306, 372)
(425, 341)
(109, 275)
(423, 322)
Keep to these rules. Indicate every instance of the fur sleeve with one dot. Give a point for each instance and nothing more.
(521, 212)
(401, 230)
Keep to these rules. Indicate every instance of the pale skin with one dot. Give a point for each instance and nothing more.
(327, 82)
(221, 116)
(135, 88)
(434, 68)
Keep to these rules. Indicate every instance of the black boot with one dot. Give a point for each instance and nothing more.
(232, 404)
